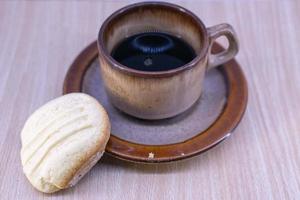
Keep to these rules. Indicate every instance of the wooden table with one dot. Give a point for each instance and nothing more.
(261, 160)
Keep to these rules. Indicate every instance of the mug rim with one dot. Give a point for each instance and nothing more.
(115, 64)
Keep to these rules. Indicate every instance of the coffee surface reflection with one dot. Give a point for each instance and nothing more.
(153, 51)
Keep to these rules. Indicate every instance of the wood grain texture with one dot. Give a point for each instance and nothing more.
(260, 161)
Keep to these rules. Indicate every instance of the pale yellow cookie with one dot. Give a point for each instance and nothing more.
(63, 140)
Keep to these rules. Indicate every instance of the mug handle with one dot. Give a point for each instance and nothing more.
(220, 58)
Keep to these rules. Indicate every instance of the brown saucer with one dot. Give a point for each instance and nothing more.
(207, 123)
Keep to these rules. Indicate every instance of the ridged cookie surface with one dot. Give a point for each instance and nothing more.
(62, 140)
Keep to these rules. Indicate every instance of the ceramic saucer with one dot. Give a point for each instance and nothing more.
(208, 122)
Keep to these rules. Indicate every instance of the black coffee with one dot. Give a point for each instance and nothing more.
(153, 51)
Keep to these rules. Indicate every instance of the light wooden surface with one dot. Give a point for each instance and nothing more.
(261, 160)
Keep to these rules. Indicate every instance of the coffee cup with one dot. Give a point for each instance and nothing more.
(164, 93)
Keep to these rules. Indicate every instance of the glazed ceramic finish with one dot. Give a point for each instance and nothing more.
(153, 98)
(164, 94)
(217, 132)
(152, 17)
(224, 56)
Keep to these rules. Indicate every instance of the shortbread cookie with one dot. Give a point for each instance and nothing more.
(63, 140)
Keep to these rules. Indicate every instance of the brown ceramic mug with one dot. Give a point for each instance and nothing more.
(160, 94)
